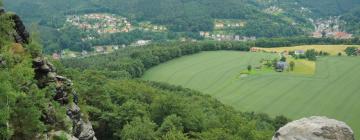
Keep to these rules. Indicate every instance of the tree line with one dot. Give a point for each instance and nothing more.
(134, 61)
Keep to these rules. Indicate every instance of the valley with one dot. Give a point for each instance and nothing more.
(331, 91)
(179, 69)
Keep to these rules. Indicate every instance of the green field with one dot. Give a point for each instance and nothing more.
(333, 91)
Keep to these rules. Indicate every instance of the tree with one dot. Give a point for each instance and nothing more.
(249, 68)
(138, 129)
(274, 62)
(174, 135)
(351, 51)
(339, 54)
(311, 54)
(26, 119)
(283, 59)
(292, 65)
(171, 123)
(280, 121)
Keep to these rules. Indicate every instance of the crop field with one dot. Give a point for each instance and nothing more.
(333, 89)
(332, 49)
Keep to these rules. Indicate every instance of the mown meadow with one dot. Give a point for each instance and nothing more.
(333, 90)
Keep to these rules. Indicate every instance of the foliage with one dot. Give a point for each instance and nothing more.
(352, 19)
(249, 67)
(139, 129)
(311, 54)
(131, 109)
(283, 59)
(292, 65)
(351, 51)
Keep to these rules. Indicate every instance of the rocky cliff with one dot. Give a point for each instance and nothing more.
(315, 128)
(65, 94)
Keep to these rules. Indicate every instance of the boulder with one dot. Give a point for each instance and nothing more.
(315, 128)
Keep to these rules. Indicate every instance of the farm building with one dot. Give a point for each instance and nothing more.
(299, 52)
(56, 56)
(281, 66)
(99, 49)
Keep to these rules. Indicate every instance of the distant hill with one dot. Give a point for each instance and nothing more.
(183, 18)
(178, 15)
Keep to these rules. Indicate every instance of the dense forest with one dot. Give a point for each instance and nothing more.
(353, 20)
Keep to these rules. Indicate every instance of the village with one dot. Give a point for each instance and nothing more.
(226, 37)
(103, 23)
(222, 29)
(100, 23)
(101, 49)
(330, 28)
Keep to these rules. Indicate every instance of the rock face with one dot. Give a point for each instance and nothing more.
(22, 35)
(45, 74)
(315, 128)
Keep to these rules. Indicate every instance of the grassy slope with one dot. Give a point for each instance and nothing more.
(333, 91)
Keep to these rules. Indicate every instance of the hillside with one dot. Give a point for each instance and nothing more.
(183, 19)
(330, 7)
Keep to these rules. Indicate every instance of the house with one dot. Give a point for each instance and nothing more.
(207, 34)
(299, 52)
(281, 66)
(115, 47)
(219, 25)
(56, 56)
(99, 49)
(237, 37)
(83, 53)
(142, 42)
